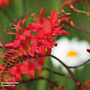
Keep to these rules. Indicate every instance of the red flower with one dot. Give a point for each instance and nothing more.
(18, 70)
(21, 41)
(46, 30)
(42, 43)
(27, 44)
(25, 68)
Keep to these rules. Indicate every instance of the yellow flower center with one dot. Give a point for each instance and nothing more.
(72, 53)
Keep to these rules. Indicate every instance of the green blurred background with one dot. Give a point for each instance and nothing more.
(22, 7)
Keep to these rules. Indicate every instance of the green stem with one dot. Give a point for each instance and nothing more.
(83, 12)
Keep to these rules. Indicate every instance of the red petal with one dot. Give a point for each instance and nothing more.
(27, 33)
(53, 18)
(22, 37)
(40, 18)
(47, 44)
(12, 71)
(23, 69)
(16, 44)
(41, 61)
(18, 76)
(31, 54)
(9, 45)
(47, 26)
(63, 32)
(6, 2)
(34, 45)
(32, 27)
(13, 79)
(52, 42)
(17, 28)
(25, 20)
(31, 72)
(1, 3)
(40, 51)
(40, 34)
(48, 51)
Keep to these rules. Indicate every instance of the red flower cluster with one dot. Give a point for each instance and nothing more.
(42, 43)
(28, 45)
(6, 2)
(25, 68)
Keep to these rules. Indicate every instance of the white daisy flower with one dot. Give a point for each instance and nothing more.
(71, 52)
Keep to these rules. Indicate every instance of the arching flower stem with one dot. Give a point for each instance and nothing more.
(68, 69)
(65, 75)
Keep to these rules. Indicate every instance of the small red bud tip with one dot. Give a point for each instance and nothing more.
(72, 7)
(79, 84)
(70, 11)
(88, 50)
(56, 81)
(61, 10)
(88, 14)
(88, 81)
(62, 86)
(3, 64)
(4, 61)
(49, 85)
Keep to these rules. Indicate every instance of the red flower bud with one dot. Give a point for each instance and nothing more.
(88, 50)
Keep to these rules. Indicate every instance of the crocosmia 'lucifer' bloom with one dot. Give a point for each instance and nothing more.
(42, 43)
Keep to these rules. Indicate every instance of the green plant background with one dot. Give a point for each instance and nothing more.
(21, 7)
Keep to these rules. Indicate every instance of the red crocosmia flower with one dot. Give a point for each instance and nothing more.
(18, 70)
(45, 30)
(33, 41)
(21, 39)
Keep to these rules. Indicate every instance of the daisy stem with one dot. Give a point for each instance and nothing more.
(70, 72)
(79, 65)
(65, 75)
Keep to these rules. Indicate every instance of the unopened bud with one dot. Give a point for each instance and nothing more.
(88, 50)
